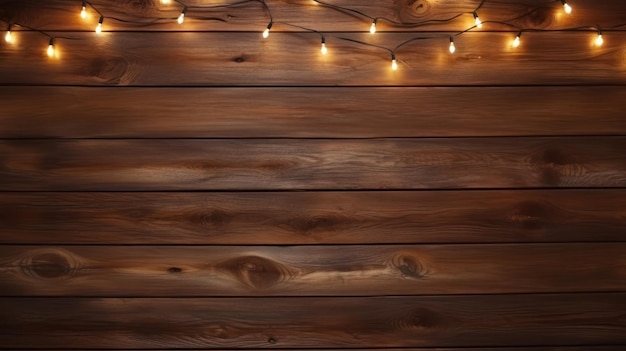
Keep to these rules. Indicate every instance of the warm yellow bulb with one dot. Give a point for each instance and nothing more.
(8, 37)
(83, 13)
(452, 47)
(324, 50)
(567, 8)
(51, 50)
(394, 64)
(599, 40)
(99, 28)
(181, 18)
(266, 33)
(478, 22)
(373, 27)
(516, 41)
(165, 2)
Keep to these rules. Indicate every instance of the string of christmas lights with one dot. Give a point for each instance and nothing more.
(50, 49)
(477, 24)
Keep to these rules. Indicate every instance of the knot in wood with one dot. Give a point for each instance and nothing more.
(541, 17)
(255, 272)
(49, 264)
(174, 270)
(111, 70)
(409, 267)
(143, 6)
(550, 163)
(411, 9)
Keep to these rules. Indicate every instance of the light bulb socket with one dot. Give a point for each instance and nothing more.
(323, 40)
(475, 14)
(393, 56)
(269, 26)
(563, 2)
(451, 40)
(51, 42)
(101, 20)
(519, 35)
(374, 21)
(184, 11)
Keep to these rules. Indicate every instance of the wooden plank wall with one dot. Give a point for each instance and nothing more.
(194, 186)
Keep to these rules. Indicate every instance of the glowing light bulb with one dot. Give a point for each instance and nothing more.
(181, 18)
(323, 49)
(83, 12)
(517, 41)
(51, 48)
(394, 64)
(477, 21)
(566, 7)
(8, 37)
(599, 40)
(99, 26)
(266, 32)
(373, 27)
(165, 2)
(452, 47)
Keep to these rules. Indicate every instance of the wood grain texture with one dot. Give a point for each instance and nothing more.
(112, 165)
(70, 112)
(310, 270)
(468, 321)
(293, 59)
(153, 15)
(262, 218)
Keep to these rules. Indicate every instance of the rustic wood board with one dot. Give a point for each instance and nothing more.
(294, 59)
(289, 218)
(334, 112)
(226, 164)
(438, 321)
(154, 16)
(310, 270)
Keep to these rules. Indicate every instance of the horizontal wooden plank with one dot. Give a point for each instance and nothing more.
(497, 320)
(153, 15)
(313, 217)
(120, 271)
(228, 164)
(294, 59)
(310, 112)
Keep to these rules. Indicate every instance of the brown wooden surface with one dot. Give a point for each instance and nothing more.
(245, 59)
(152, 15)
(310, 270)
(313, 218)
(70, 112)
(168, 216)
(109, 165)
(572, 319)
